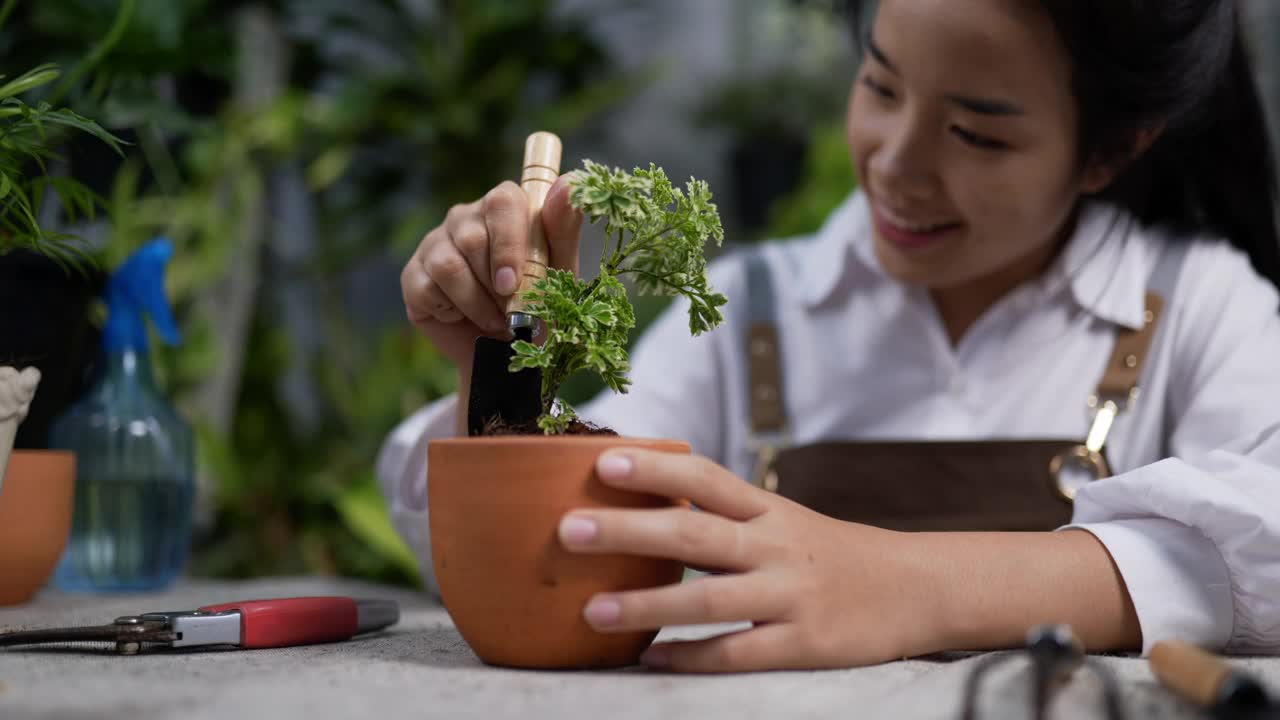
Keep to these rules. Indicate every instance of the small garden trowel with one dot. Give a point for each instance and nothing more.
(496, 393)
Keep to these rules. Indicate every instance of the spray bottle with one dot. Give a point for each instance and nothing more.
(131, 529)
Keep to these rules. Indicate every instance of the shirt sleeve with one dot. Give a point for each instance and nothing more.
(675, 393)
(402, 474)
(1196, 536)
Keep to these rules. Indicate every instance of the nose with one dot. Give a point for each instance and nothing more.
(902, 166)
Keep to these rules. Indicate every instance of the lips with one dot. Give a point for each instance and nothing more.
(910, 234)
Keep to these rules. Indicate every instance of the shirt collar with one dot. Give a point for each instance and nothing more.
(840, 248)
(1101, 265)
(1104, 265)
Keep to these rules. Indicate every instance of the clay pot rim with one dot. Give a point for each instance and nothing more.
(42, 452)
(603, 441)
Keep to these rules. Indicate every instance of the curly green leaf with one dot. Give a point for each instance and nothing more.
(658, 233)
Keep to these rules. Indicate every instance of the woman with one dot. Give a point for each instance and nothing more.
(1030, 170)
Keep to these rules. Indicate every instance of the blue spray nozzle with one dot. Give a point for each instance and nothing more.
(137, 289)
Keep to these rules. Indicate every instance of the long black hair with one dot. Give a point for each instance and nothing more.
(1180, 65)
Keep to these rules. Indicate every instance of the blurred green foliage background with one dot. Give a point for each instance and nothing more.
(295, 152)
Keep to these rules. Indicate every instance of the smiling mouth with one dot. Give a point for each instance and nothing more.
(910, 233)
(922, 229)
(913, 226)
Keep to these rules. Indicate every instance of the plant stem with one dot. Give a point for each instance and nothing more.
(617, 248)
(99, 51)
(591, 286)
(640, 244)
(656, 277)
(558, 373)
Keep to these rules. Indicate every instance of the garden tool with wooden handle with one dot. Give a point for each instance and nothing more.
(496, 392)
(1209, 682)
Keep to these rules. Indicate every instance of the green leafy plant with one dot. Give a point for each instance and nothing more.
(653, 231)
(30, 137)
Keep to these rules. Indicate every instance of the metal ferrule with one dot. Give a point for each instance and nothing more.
(519, 320)
(376, 614)
(201, 628)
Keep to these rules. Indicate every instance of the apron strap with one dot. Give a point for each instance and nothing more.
(1120, 380)
(768, 433)
(1119, 387)
(764, 356)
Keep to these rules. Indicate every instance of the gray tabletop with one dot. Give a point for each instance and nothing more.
(421, 668)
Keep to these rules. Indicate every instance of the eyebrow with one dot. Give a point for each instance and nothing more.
(981, 106)
(879, 55)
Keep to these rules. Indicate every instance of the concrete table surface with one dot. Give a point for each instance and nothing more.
(421, 668)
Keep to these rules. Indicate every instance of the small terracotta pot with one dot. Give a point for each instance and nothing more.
(36, 503)
(513, 591)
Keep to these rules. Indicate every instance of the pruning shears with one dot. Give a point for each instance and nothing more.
(280, 622)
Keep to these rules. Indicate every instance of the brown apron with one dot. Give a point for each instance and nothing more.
(1025, 485)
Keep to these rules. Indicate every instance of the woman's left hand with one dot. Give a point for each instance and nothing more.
(819, 592)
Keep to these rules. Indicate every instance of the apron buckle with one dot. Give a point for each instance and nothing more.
(766, 447)
(1083, 464)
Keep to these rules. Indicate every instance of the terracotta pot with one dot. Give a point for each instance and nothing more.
(513, 591)
(35, 520)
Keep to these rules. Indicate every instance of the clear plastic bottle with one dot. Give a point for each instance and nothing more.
(135, 456)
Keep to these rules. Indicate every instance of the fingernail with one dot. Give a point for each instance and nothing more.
(505, 281)
(602, 612)
(656, 657)
(577, 530)
(614, 466)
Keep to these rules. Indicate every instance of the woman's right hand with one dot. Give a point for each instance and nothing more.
(459, 280)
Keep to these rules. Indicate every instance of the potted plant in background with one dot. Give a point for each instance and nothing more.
(41, 267)
(46, 283)
(495, 501)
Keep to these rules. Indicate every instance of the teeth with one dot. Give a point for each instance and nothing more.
(909, 227)
(912, 227)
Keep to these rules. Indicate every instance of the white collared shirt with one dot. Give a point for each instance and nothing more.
(1192, 516)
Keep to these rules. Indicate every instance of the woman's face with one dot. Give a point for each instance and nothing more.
(962, 126)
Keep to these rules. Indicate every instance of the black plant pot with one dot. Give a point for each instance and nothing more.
(45, 322)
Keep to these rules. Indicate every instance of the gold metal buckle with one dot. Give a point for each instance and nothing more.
(766, 448)
(1074, 468)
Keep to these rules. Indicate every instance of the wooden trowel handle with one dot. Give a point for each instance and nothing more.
(541, 167)
(1189, 671)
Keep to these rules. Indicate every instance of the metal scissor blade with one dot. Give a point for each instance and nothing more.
(114, 633)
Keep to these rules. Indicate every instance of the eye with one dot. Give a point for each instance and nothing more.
(981, 142)
(877, 88)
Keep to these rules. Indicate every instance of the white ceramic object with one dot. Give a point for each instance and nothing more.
(16, 390)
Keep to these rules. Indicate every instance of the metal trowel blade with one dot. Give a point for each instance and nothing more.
(515, 398)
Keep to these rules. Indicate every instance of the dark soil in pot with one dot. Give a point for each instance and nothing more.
(498, 427)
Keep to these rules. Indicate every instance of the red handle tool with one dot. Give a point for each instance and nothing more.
(270, 623)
